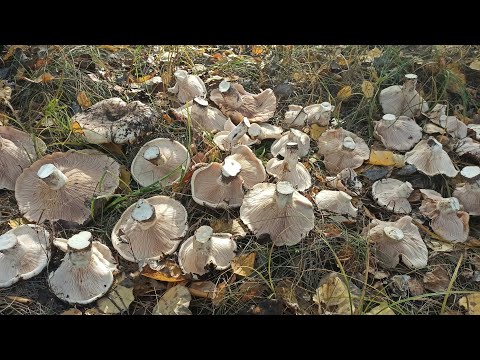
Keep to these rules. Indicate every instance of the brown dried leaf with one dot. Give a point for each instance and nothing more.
(11, 51)
(251, 290)
(344, 93)
(381, 309)
(203, 289)
(72, 311)
(332, 296)
(475, 65)
(330, 230)
(368, 89)
(232, 226)
(471, 303)
(164, 270)
(19, 299)
(116, 301)
(436, 280)
(175, 301)
(219, 294)
(316, 131)
(44, 78)
(243, 264)
(83, 100)
(5, 92)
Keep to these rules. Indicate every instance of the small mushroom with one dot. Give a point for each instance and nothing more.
(187, 86)
(279, 211)
(468, 194)
(451, 124)
(298, 116)
(205, 248)
(162, 160)
(342, 149)
(429, 157)
(24, 253)
(262, 131)
(290, 169)
(403, 100)
(293, 135)
(202, 116)
(150, 229)
(346, 180)
(400, 133)
(252, 170)
(225, 140)
(397, 241)
(86, 271)
(338, 202)
(393, 194)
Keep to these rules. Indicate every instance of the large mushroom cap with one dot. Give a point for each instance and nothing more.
(162, 160)
(202, 116)
(252, 170)
(24, 253)
(61, 186)
(279, 211)
(262, 131)
(150, 229)
(337, 202)
(188, 87)
(393, 194)
(342, 149)
(115, 121)
(400, 133)
(293, 135)
(453, 126)
(429, 158)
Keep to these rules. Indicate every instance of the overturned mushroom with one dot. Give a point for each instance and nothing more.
(24, 253)
(403, 100)
(337, 202)
(202, 116)
(187, 86)
(225, 140)
(293, 135)
(252, 170)
(400, 133)
(346, 180)
(451, 124)
(429, 157)
(279, 211)
(393, 194)
(298, 116)
(468, 194)
(150, 229)
(264, 131)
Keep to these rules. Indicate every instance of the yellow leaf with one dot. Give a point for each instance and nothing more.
(44, 78)
(11, 51)
(76, 128)
(232, 226)
(125, 178)
(381, 309)
(475, 65)
(471, 303)
(257, 50)
(220, 293)
(344, 93)
(332, 296)
(141, 79)
(316, 131)
(168, 271)
(342, 61)
(14, 223)
(72, 311)
(83, 100)
(386, 158)
(243, 264)
(5, 92)
(174, 301)
(368, 89)
(117, 301)
(112, 48)
(375, 52)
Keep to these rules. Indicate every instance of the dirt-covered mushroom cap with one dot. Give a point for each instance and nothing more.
(393, 194)
(400, 133)
(298, 116)
(115, 121)
(187, 86)
(290, 169)
(86, 271)
(397, 241)
(225, 140)
(24, 253)
(202, 116)
(150, 229)
(162, 160)
(206, 248)
(252, 170)
(429, 157)
(262, 131)
(279, 211)
(293, 135)
(61, 186)
(338, 202)
(346, 180)
(17, 151)
(342, 149)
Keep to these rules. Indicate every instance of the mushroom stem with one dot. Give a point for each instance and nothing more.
(393, 233)
(434, 144)
(291, 155)
(349, 144)
(201, 239)
(448, 205)
(404, 190)
(410, 82)
(80, 248)
(389, 119)
(144, 214)
(53, 177)
(284, 192)
(8, 241)
(237, 132)
(230, 169)
(154, 155)
(294, 136)
(224, 86)
(325, 113)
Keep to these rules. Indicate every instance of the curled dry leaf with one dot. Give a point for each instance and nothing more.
(116, 301)
(83, 100)
(202, 289)
(243, 264)
(220, 294)
(344, 93)
(332, 296)
(164, 270)
(471, 303)
(381, 309)
(72, 311)
(436, 280)
(175, 301)
(232, 226)
(368, 89)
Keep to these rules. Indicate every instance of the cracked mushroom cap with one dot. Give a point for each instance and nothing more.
(61, 186)
(115, 121)
(252, 170)
(205, 248)
(298, 116)
(346, 180)
(264, 131)
(395, 241)
(342, 149)
(17, 151)
(150, 229)
(289, 169)
(429, 157)
(279, 211)
(293, 135)
(403, 100)
(225, 140)
(393, 194)
(338, 202)
(24, 253)
(163, 160)
(188, 86)
(86, 271)
(400, 133)
(202, 116)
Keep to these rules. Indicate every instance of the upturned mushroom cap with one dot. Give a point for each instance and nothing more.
(429, 158)
(262, 131)
(395, 241)
(163, 160)
(188, 87)
(86, 271)
(225, 140)
(290, 169)
(24, 253)
(400, 133)
(337, 202)
(342, 149)
(346, 180)
(17, 151)
(393, 194)
(202, 117)
(279, 211)
(61, 186)
(115, 121)
(252, 170)
(293, 135)
(469, 197)
(298, 116)
(205, 248)
(150, 229)
(175, 301)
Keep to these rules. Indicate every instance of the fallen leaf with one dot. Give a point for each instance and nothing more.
(14, 223)
(93, 311)
(332, 296)
(11, 51)
(243, 264)
(83, 100)
(316, 131)
(77, 128)
(44, 78)
(344, 93)
(125, 178)
(5, 92)
(203, 289)
(295, 297)
(330, 230)
(164, 270)
(438, 246)
(267, 307)
(167, 118)
(217, 56)
(368, 89)
(475, 65)
(113, 148)
(116, 301)
(174, 301)
(19, 299)
(436, 280)
(381, 309)
(386, 158)
(112, 48)
(375, 52)
(72, 311)
(257, 50)
(415, 286)
(232, 226)
(141, 79)
(250, 290)
(220, 293)
(471, 303)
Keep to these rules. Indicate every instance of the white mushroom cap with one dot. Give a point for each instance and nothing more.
(188, 87)
(252, 169)
(338, 202)
(225, 140)
(180, 74)
(298, 116)
(403, 100)
(429, 158)
(24, 253)
(204, 248)
(262, 131)
(393, 194)
(201, 117)
(293, 135)
(162, 160)
(471, 172)
(453, 126)
(400, 133)
(150, 229)
(469, 196)
(279, 211)
(476, 128)
(346, 180)
(175, 301)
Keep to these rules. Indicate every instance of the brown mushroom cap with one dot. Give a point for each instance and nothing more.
(337, 202)
(150, 229)
(61, 186)
(429, 158)
(469, 196)
(187, 86)
(400, 133)
(393, 194)
(252, 170)
(162, 160)
(293, 135)
(202, 116)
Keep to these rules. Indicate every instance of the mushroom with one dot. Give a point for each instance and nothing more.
(393, 194)
(395, 241)
(403, 99)
(86, 271)
(400, 133)
(225, 140)
(476, 129)
(289, 169)
(298, 116)
(264, 131)
(429, 157)
(338, 202)
(279, 211)
(233, 97)
(62, 185)
(346, 180)
(451, 124)
(163, 160)
(115, 121)
(293, 135)
(187, 86)
(150, 229)
(205, 248)
(17, 151)
(202, 116)
(468, 194)
(469, 148)
(24, 253)
(342, 149)
(252, 170)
